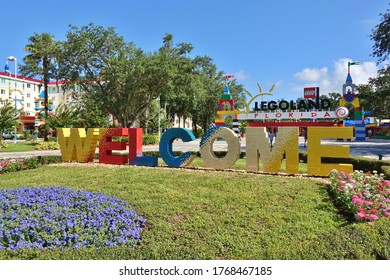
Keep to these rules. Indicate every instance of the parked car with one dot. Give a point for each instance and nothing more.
(11, 135)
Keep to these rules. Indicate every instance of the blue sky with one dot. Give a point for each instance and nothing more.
(292, 44)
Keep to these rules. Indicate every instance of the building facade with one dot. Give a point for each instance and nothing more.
(27, 95)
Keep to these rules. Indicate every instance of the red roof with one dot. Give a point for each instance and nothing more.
(4, 74)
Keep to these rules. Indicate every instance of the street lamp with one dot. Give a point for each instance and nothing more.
(12, 58)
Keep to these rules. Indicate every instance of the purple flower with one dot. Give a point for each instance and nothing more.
(57, 217)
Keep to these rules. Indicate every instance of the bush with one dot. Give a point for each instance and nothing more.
(18, 164)
(120, 139)
(386, 172)
(52, 139)
(31, 163)
(3, 144)
(32, 139)
(198, 133)
(44, 160)
(47, 146)
(362, 195)
(150, 139)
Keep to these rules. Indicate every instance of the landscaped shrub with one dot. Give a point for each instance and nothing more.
(52, 139)
(18, 164)
(386, 172)
(58, 217)
(47, 146)
(44, 160)
(32, 139)
(3, 144)
(150, 139)
(31, 163)
(365, 196)
(198, 133)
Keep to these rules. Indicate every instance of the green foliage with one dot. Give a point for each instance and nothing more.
(8, 118)
(47, 146)
(198, 133)
(386, 171)
(3, 144)
(41, 60)
(12, 166)
(45, 160)
(381, 48)
(375, 95)
(150, 139)
(31, 163)
(18, 164)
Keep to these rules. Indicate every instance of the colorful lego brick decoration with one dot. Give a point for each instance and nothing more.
(76, 144)
(166, 142)
(106, 146)
(258, 147)
(135, 150)
(226, 108)
(350, 96)
(206, 147)
(316, 151)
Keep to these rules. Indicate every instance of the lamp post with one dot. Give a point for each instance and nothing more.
(12, 58)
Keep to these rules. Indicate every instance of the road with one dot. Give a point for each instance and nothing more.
(370, 148)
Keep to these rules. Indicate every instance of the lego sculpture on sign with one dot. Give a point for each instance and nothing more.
(258, 148)
(206, 147)
(166, 151)
(316, 151)
(78, 145)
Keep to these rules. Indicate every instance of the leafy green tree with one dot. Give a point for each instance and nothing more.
(176, 68)
(65, 115)
(41, 61)
(375, 95)
(334, 98)
(381, 38)
(115, 76)
(8, 118)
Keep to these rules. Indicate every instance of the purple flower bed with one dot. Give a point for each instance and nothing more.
(364, 195)
(58, 217)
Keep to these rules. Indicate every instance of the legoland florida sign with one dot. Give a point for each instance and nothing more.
(78, 145)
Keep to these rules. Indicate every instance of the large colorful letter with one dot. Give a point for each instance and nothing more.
(135, 150)
(106, 146)
(206, 147)
(315, 151)
(166, 151)
(75, 144)
(258, 146)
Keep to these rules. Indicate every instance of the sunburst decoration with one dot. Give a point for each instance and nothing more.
(257, 95)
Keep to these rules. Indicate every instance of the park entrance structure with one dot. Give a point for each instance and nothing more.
(350, 96)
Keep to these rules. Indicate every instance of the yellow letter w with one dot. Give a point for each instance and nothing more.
(77, 145)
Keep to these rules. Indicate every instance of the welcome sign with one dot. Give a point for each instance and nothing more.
(79, 145)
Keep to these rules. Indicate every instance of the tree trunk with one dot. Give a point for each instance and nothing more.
(46, 98)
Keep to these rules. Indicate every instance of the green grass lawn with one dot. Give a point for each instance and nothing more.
(19, 147)
(198, 214)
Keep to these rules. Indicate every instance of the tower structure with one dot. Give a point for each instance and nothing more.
(350, 96)
(226, 108)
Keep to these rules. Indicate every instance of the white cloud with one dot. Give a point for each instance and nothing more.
(311, 74)
(333, 80)
(241, 76)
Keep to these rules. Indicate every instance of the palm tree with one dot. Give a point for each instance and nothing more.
(7, 118)
(40, 61)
